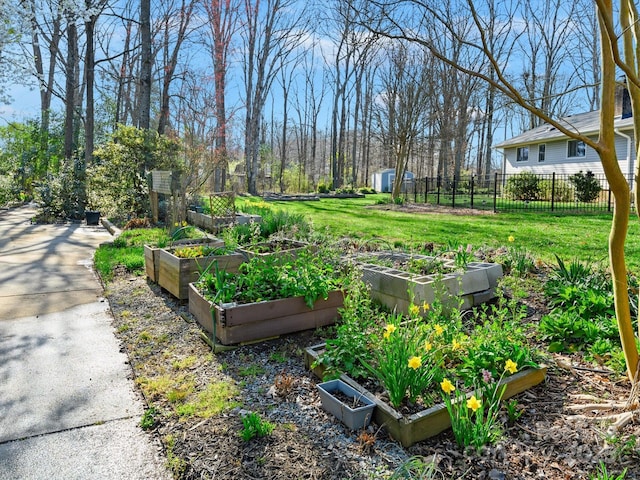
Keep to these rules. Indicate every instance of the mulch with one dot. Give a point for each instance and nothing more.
(549, 440)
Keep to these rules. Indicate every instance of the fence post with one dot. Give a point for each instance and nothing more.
(438, 190)
(609, 200)
(426, 189)
(472, 190)
(495, 192)
(553, 190)
(453, 195)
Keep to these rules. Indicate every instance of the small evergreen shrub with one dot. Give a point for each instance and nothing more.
(586, 185)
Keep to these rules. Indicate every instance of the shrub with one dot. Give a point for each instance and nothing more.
(116, 183)
(562, 191)
(59, 196)
(323, 188)
(586, 185)
(523, 186)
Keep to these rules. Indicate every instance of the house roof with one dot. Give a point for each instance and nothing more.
(585, 123)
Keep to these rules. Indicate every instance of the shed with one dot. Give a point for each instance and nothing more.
(383, 180)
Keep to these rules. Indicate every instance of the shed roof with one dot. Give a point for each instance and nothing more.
(584, 123)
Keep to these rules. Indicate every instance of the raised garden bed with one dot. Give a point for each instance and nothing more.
(475, 284)
(175, 273)
(232, 323)
(152, 259)
(411, 429)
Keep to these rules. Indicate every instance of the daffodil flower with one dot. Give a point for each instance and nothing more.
(428, 346)
(511, 239)
(473, 403)
(415, 362)
(388, 330)
(511, 366)
(438, 328)
(447, 386)
(414, 310)
(455, 345)
(425, 307)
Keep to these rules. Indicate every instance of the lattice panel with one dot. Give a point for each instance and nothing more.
(223, 205)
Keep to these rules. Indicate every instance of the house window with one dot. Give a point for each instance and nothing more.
(576, 148)
(541, 152)
(523, 154)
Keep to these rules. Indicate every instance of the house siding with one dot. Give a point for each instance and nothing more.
(556, 160)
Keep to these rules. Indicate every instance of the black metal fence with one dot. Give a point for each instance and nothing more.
(515, 192)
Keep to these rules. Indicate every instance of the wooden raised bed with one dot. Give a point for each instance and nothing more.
(256, 321)
(175, 273)
(428, 423)
(151, 257)
(390, 286)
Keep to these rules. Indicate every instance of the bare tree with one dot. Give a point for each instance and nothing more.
(222, 16)
(46, 31)
(307, 105)
(547, 45)
(586, 54)
(403, 97)
(176, 20)
(403, 19)
(273, 30)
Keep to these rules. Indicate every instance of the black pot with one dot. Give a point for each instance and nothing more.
(93, 218)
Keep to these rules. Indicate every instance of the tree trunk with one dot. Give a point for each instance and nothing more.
(144, 92)
(620, 189)
(70, 145)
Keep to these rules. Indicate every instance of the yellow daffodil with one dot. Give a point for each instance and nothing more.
(388, 330)
(473, 403)
(456, 345)
(438, 328)
(425, 307)
(415, 362)
(511, 366)
(511, 239)
(447, 386)
(414, 310)
(428, 346)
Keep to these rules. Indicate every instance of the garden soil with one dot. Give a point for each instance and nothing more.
(558, 436)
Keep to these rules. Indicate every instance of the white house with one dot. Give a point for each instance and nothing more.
(545, 150)
(383, 181)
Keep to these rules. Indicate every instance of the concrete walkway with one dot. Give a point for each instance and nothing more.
(68, 409)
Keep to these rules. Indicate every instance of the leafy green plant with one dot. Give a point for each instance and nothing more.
(149, 420)
(254, 426)
(323, 188)
(587, 186)
(516, 260)
(358, 318)
(474, 420)
(311, 276)
(523, 186)
(416, 468)
(562, 191)
(401, 362)
(513, 412)
(196, 251)
(603, 474)
(117, 184)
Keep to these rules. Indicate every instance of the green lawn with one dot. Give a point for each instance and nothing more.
(542, 234)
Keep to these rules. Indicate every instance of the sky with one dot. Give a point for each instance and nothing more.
(25, 105)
